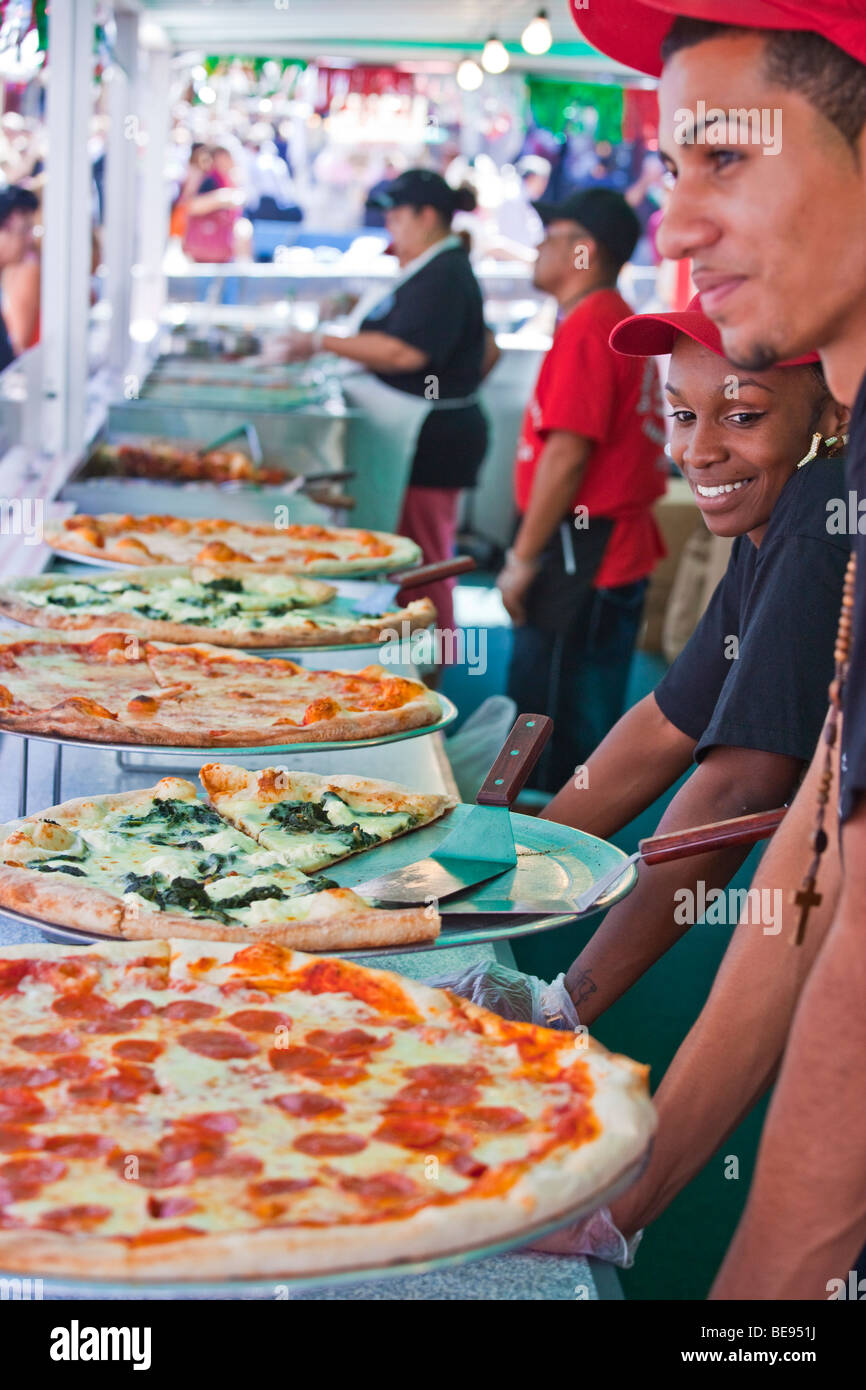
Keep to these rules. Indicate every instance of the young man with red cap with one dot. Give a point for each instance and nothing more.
(778, 253)
(589, 467)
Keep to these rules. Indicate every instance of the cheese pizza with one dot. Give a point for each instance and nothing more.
(159, 862)
(192, 1110)
(171, 540)
(114, 688)
(230, 605)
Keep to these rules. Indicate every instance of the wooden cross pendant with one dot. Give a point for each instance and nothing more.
(806, 898)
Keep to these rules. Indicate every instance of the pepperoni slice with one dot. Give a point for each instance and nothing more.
(279, 1187)
(214, 1122)
(494, 1117)
(150, 1169)
(48, 1042)
(83, 1005)
(427, 1095)
(381, 1186)
(18, 1106)
(296, 1058)
(112, 1023)
(259, 1020)
(440, 1072)
(76, 1067)
(12, 972)
(308, 1103)
(15, 1140)
(191, 1144)
(234, 1165)
(467, 1165)
(138, 1050)
(188, 1010)
(27, 1076)
(347, 1043)
(36, 1168)
(410, 1131)
(129, 1083)
(80, 1145)
(82, 1217)
(322, 1144)
(161, 1207)
(220, 1046)
(137, 1008)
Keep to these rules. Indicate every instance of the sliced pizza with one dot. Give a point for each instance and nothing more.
(313, 821)
(160, 862)
(193, 1110)
(112, 687)
(230, 605)
(172, 540)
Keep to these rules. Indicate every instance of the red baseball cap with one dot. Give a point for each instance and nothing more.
(631, 31)
(652, 335)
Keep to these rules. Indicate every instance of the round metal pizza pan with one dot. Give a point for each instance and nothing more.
(449, 714)
(279, 1287)
(554, 862)
(371, 572)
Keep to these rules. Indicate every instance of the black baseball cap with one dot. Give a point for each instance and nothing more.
(603, 212)
(418, 188)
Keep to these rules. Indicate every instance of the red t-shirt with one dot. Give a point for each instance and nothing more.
(587, 388)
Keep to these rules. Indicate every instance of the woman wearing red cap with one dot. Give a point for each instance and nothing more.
(747, 696)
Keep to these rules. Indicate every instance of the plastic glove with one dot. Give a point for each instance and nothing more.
(595, 1235)
(513, 995)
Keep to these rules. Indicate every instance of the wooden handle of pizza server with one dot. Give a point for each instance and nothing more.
(725, 834)
(426, 574)
(516, 759)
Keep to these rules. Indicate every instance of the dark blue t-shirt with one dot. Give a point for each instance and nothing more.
(756, 670)
(853, 751)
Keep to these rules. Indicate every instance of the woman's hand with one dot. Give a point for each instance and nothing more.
(513, 582)
(293, 346)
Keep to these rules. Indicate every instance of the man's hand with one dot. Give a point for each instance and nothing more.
(513, 582)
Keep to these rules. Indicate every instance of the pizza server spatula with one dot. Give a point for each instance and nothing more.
(482, 847)
(374, 598)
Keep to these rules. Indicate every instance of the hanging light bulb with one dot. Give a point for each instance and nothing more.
(495, 57)
(537, 37)
(469, 75)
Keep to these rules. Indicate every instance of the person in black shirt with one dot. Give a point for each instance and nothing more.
(747, 695)
(18, 207)
(426, 335)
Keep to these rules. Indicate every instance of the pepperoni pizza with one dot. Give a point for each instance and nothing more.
(194, 1110)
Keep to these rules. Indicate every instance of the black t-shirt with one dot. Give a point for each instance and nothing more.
(853, 751)
(439, 310)
(756, 670)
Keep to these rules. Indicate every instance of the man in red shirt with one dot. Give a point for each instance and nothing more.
(590, 464)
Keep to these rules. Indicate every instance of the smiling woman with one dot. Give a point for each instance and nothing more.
(746, 697)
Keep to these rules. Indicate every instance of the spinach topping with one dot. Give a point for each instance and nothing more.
(215, 865)
(169, 815)
(189, 895)
(279, 610)
(313, 885)
(311, 817)
(224, 586)
(58, 869)
(148, 611)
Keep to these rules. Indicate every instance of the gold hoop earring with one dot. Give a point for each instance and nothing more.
(817, 441)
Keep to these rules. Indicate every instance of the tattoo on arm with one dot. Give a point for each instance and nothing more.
(583, 986)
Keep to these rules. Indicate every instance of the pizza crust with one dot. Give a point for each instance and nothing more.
(352, 931)
(417, 615)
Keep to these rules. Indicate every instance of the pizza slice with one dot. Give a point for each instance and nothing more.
(159, 862)
(313, 821)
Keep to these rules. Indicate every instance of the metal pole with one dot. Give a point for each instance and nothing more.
(121, 168)
(66, 241)
(154, 86)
